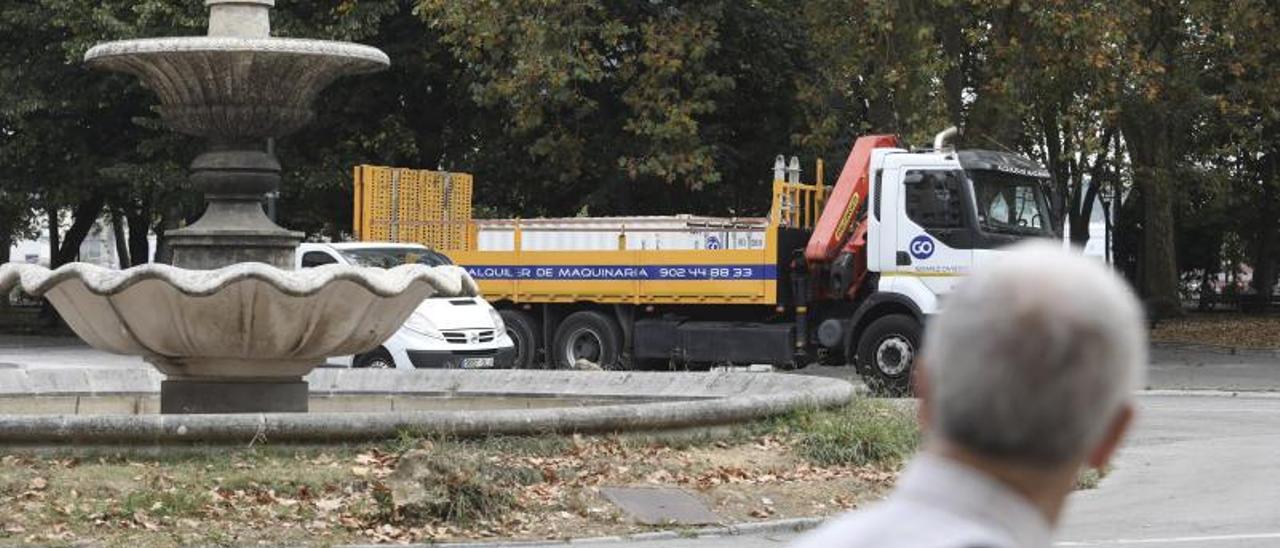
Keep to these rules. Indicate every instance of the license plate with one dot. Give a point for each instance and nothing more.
(477, 363)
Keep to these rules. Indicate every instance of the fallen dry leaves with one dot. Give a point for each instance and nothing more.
(1233, 331)
(345, 498)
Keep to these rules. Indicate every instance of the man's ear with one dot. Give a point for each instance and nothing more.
(920, 384)
(1106, 448)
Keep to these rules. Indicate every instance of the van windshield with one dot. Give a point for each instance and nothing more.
(1011, 204)
(390, 257)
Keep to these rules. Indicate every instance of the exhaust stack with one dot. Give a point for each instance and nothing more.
(940, 140)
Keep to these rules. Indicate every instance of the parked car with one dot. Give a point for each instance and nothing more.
(453, 333)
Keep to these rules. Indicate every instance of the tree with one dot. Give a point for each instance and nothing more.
(1243, 86)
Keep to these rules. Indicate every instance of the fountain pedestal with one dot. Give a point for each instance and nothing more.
(234, 228)
(179, 396)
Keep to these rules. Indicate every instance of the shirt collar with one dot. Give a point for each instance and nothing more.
(953, 487)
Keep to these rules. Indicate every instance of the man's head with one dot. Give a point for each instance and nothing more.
(1034, 360)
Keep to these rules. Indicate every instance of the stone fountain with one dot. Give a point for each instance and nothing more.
(229, 325)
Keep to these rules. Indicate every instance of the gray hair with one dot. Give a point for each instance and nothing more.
(1033, 356)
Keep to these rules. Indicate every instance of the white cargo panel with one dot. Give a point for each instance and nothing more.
(678, 232)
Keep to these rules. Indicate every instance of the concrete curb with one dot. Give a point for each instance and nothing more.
(668, 401)
(789, 525)
(1217, 349)
(1214, 393)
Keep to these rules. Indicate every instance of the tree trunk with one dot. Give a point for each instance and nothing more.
(1148, 134)
(5, 241)
(1264, 267)
(51, 214)
(139, 246)
(1160, 256)
(86, 214)
(168, 221)
(117, 231)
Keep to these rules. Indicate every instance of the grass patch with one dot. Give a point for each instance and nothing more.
(176, 503)
(1089, 478)
(447, 485)
(865, 432)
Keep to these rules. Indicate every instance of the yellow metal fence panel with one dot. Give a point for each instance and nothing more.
(432, 208)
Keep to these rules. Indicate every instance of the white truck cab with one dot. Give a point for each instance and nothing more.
(454, 333)
(934, 216)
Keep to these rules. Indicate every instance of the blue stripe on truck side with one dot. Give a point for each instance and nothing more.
(608, 272)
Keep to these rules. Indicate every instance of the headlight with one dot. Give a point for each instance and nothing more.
(498, 324)
(419, 323)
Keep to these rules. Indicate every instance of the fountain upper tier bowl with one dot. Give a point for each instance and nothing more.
(234, 89)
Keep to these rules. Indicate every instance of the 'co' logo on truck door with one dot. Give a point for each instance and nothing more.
(921, 247)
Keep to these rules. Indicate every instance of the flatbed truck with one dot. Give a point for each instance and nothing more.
(846, 275)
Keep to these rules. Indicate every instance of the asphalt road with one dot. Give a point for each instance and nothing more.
(1172, 367)
(1175, 368)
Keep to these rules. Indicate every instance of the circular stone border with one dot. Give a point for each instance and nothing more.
(684, 400)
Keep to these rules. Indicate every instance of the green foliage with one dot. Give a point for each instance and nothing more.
(672, 106)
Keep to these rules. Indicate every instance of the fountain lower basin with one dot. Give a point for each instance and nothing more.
(240, 338)
(373, 405)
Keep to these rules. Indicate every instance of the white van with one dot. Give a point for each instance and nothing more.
(453, 333)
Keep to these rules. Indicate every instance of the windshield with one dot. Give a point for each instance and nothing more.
(389, 257)
(1011, 204)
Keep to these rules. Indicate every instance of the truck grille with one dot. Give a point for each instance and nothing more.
(469, 336)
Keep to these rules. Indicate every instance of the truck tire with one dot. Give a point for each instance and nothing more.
(526, 332)
(886, 354)
(587, 340)
(378, 358)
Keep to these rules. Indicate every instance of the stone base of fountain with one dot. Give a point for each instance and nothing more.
(184, 397)
(206, 248)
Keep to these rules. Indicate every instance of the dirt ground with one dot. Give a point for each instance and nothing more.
(523, 488)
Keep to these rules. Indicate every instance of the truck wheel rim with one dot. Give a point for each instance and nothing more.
(379, 363)
(894, 355)
(584, 344)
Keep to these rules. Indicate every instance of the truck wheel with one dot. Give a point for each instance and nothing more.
(886, 353)
(526, 333)
(587, 340)
(375, 359)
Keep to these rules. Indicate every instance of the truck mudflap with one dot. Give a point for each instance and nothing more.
(716, 343)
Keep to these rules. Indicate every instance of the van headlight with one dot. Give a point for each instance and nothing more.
(498, 325)
(419, 323)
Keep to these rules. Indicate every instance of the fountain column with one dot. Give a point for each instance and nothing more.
(236, 172)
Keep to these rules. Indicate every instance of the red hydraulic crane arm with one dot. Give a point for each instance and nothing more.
(838, 219)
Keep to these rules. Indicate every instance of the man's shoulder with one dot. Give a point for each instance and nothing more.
(898, 524)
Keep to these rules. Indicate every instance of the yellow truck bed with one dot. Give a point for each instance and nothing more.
(434, 208)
